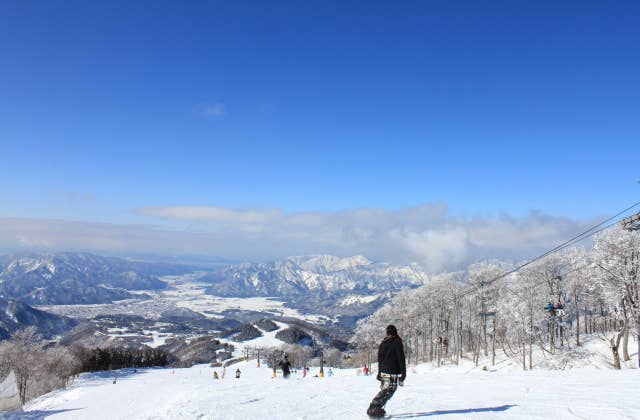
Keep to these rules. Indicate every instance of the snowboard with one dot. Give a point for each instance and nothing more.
(373, 414)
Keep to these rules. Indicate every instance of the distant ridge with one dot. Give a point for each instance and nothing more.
(16, 315)
(322, 284)
(76, 278)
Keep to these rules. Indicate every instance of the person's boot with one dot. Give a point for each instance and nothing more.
(376, 412)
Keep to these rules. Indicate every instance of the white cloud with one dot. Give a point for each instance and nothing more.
(72, 197)
(437, 249)
(211, 214)
(215, 110)
(425, 234)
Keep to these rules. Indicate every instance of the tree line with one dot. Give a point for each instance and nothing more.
(548, 305)
(41, 367)
(93, 360)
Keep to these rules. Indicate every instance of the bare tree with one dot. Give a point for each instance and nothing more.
(617, 256)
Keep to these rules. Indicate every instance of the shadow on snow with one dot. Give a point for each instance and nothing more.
(118, 373)
(32, 415)
(460, 411)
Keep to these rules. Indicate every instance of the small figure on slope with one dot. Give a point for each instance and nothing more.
(238, 373)
(285, 366)
(365, 370)
(392, 371)
(215, 374)
(330, 373)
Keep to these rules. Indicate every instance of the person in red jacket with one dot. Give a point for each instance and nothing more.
(392, 371)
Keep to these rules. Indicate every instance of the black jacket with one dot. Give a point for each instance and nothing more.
(391, 356)
(286, 367)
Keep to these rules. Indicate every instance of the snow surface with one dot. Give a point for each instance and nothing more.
(358, 299)
(455, 392)
(267, 340)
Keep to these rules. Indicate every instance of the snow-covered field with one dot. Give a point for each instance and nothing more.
(183, 292)
(456, 393)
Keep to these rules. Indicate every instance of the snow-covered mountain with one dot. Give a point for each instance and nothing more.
(313, 275)
(74, 278)
(324, 284)
(15, 315)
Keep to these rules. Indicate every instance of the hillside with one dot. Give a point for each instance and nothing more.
(322, 284)
(320, 274)
(16, 315)
(77, 278)
(457, 392)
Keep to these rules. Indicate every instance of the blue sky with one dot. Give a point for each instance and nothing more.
(123, 112)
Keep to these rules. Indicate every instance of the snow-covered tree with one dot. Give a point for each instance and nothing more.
(544, 305)
(616, 253)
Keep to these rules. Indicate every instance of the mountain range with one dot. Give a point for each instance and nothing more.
(77, 278)
(319, 283)
(341, 288)
(15, 315)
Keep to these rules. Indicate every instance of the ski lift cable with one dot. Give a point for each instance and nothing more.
(587, 233)
(576, 239)
(558, 248)
(587, 265)
(564, 274)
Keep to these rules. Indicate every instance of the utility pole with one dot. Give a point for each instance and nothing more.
(560, 311)
(274, 365)
(484, 314)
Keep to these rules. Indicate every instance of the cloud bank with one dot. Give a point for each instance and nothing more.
(424, 234)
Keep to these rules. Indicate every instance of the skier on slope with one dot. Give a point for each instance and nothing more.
(392, 371)
(238, 373)
(285, 366)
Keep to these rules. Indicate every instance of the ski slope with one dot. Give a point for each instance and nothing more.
(455, 393)
(267, 340)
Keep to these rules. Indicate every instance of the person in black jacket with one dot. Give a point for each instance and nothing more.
(285, 366)
(392, 371)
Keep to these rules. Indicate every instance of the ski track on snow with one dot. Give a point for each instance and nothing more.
(453, 394)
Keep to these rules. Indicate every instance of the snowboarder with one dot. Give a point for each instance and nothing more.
(392, 371)
(285, 366)
(238, 373)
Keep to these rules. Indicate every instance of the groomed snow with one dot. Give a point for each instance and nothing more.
(454, 393)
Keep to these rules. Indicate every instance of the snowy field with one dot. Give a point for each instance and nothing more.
(183, 292)
(455, 393)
